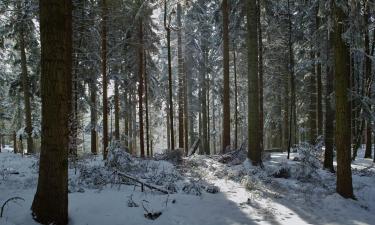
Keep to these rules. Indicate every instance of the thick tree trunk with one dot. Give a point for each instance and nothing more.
(50, 205)
(226, 88)
(254, 146)
(149, 154)
(343, 128)
(105, 79)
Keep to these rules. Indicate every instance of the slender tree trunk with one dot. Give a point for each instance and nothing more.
(105, 79)
(312, 104)
(329, 112)
(146, 108)
(368, 75)
(292, 114)
(26, 92)
(318, 64)
(93, 117)
(254, 146)
(117, 111)
(180, 80)
(235, 98)
(342, 84)
(15, 147)
(50, 205)
(140, 89)
(126, 118)
(226, 89)
(170, 80)
(261, 107)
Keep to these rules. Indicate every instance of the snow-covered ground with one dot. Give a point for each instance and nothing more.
(247, 195)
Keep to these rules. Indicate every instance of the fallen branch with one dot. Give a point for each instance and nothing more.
(142, 183)
(194, 147)
(11, 199)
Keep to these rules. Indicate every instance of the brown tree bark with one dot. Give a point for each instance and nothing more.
(104, 78)
(254, 146)
(117, 111)
(368, 75)
(50, 205)
(93, 116)
(140, 89)
(180, 79)
(170, 80)
(343, 127)
(226, 88)
(329, 111)
(149, 153)
(25, 88)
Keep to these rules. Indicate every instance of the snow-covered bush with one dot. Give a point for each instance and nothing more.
(174, 156)
(309, 161)
(193, 187)
(118, 158)
(251, 183)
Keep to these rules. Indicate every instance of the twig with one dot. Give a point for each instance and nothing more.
(11, 199)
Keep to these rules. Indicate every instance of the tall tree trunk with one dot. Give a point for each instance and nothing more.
(329, 112)
(343, 128)
(126, 118)
(50, 205)
(368, 75)
(312, 104)
(170, 81)
(140, 89)
(226, 88)
(254, 146)
(235, 98)
(180, 80)
(117, 111)
(319, 107)
(292, 114)
(261, 107)
(105, 79)
(146, 108)
(26, 92)
(93, 117)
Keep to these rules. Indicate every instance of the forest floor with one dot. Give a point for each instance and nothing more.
(284, 192)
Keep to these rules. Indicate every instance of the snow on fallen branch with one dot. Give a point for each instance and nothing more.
(142, 183)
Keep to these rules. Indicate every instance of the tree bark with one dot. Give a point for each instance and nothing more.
(117, 111)
(343, 127)
(26, 91)
(180, 79)
(226, 88)
(50, 205)
(93, 117)
(329, 112)
(140, 89)
(105, 79)
(254, 146)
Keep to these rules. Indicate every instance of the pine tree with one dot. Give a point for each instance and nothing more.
(254, 146)
(342, 84)
(50, 205)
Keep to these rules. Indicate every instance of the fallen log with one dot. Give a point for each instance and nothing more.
(142, 183)
(194, 147)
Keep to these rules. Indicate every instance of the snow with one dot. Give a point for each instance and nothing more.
(247, 195)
